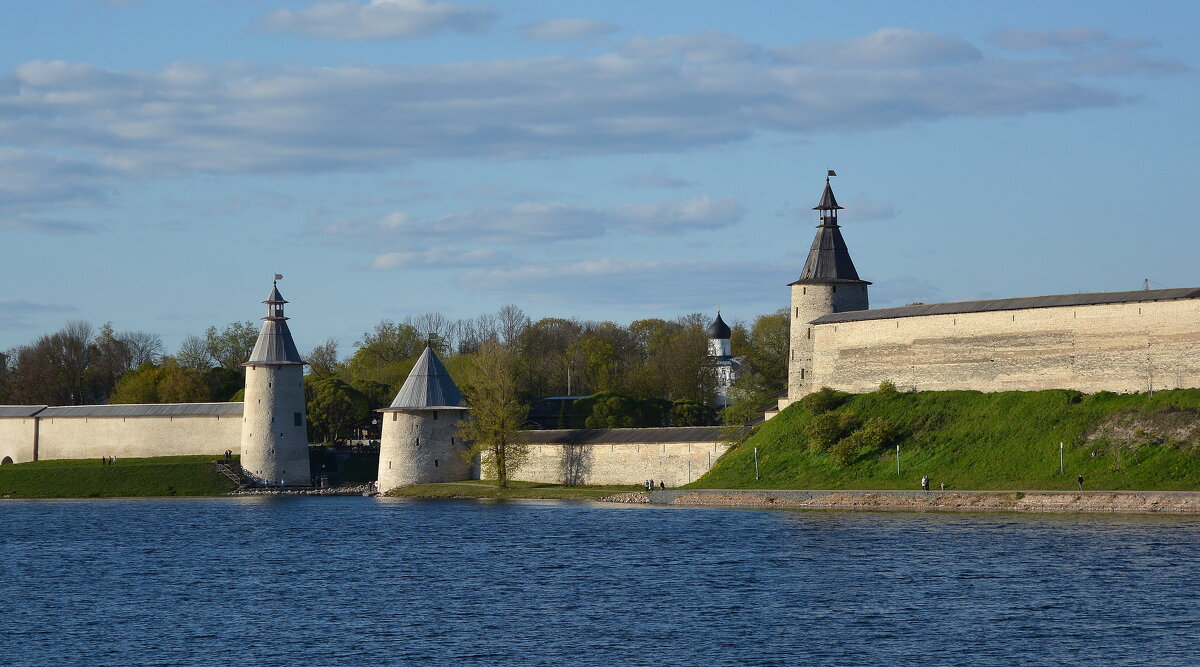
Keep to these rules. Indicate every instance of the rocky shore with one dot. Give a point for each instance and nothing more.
(1131, 502)
(305, 491)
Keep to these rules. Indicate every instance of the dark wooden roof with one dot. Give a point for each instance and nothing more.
(616, 436)
(828, 259)
(1020, 303)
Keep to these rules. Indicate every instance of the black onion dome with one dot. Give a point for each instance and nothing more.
(719, 330)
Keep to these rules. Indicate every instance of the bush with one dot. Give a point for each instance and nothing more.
(887, 388)
(823, 400)
(877, 433)
(823, 430)
(846, 449)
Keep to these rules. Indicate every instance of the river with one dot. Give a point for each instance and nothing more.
(359, 581)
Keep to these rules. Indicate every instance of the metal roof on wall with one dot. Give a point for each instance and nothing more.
(20, 410)
(1020, 303)
(145, 410)
(615, 436)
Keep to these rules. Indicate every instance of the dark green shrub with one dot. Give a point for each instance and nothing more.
(887, 388)
(823, 430)
(846, 450)
(823, 400)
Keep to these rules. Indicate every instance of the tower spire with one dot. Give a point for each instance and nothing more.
(828, 258)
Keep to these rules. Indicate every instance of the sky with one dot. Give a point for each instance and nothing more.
(160, 160)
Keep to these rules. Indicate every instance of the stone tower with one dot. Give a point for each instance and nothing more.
(419, 442)
(827, 284)
(721, 353)
(274, 432)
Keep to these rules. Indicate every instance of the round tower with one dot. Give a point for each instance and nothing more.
(827, 284)
(274, 431)
(721, 353)
(419, 442)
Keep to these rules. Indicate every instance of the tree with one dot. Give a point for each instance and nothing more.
(332, 406)
(323, 360)
(231, 347)
(494, 428)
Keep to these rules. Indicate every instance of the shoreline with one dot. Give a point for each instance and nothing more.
(1103, 502)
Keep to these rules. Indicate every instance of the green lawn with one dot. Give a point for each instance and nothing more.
(87, 478)
(488, 489)
(973, 440)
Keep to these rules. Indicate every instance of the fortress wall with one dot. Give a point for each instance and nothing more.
(1114, 347)
(16, 438)
(675, 463)
(93, 437)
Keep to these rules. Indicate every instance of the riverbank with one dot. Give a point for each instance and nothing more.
(90, 478)
(515, 490)
(1110, 502)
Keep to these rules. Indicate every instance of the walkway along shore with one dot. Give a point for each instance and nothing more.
(1124, 502)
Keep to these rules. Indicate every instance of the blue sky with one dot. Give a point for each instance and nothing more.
(160, 160)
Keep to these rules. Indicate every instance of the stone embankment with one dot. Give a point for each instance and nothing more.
(1131, 502)
(304, 491)
(636, 498)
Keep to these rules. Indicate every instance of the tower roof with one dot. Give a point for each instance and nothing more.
(275, 296)
(275, 344)
(719, 330)
(828, 201)
(828, 258)
(428, 387)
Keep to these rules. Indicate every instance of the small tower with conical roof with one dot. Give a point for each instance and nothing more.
(721, 353)
(274, 430)
(828, 283)
(419, 442)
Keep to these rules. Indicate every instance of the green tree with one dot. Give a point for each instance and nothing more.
(497, 415)
(230, 347)
(332, 406)
(692, 413)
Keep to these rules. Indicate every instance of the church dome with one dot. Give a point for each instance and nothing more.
(719, 330)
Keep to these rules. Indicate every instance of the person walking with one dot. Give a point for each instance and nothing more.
(1080, 480)
(925, 483)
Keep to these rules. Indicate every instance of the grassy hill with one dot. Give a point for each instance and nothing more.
(87, 478)
(973, 440)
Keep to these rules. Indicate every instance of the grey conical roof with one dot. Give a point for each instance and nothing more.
(829, 258)
(828, 201)
(275, 344)
(429, 386)
(719, 330)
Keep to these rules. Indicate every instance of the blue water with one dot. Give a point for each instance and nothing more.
(356, 581)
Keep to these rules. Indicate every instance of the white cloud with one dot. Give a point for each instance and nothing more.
(650, 285)
(17, 313)
(342, 20)
(32, 183)
(538, 222)
(437, 258)
(674, 93)
(566, 30)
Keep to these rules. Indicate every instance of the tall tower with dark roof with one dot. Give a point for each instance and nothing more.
(419, 442)
(828, 283)
(274, 430)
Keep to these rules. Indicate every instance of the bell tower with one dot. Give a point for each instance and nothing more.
(828, 283)
(274, 430)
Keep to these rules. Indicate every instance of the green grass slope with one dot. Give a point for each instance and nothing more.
(973, 440)
(87, 478)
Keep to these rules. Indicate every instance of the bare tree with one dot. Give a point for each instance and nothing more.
(143, 347)
(511, 322)
(193, 354)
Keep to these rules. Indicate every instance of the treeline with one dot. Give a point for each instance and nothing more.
(663, 362)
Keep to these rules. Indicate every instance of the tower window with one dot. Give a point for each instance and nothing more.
(418, 442)
(451, 440)
(435, 463)
(804, 290)
(269, 385)
(793, 354)
(393, 416)
(809, 333)
(801, 373)
(835, 288)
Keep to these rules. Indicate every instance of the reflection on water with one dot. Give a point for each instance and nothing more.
(349, 580)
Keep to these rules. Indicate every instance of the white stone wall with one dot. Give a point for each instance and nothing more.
(16, 438)
(274, 434)
(421, 447)
(808, 303)
(674, 463)
(135, 437)
(1114, 347)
